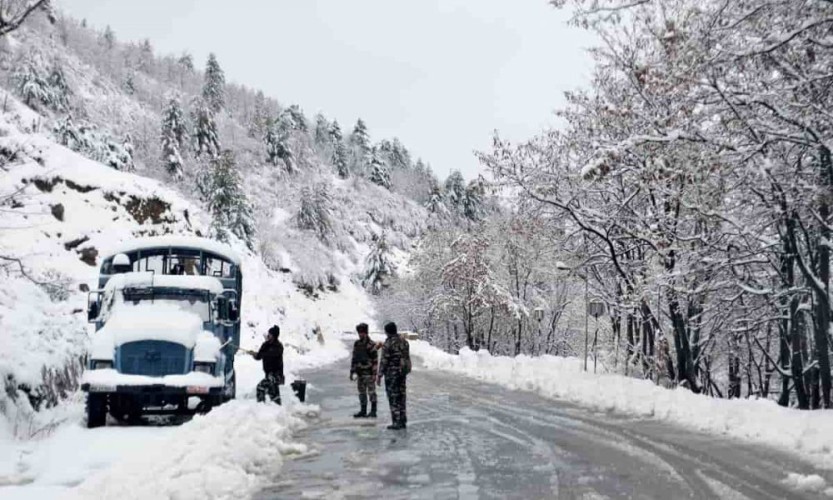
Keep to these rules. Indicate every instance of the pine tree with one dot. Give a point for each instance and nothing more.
(299, 120)
(315, 211)
(435, 203)
(227, 203)
(67, 134)
(206, 141)
(322, 131)
(473, 200)
(455, 189)
(59, 88)
(109, 38)
(339, 157)
(130, 84)
(360, 148)
(173, 138)
(278, 149)
(214, 87)
(145, 62)
(186, 62)
(360, 138)
(259, 121)
(379, 266)
(31, 82)
(378, 171)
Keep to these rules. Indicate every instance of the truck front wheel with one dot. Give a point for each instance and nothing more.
(96, 410)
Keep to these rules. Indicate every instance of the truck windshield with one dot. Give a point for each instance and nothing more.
(191, 300)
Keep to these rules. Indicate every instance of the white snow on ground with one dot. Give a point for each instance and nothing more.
(759, 421)
(800, 482)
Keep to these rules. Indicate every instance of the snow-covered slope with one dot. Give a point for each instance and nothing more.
(60, 214)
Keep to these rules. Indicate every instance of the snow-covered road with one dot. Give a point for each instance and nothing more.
(467, 439)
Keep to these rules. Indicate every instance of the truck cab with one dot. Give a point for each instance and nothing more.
(167, 325)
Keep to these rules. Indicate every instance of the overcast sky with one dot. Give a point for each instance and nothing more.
(439, 74)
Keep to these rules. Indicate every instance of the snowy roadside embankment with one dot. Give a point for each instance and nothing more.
(758, 421)
(227, 453)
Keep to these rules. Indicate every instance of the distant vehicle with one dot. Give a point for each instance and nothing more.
(167, 317)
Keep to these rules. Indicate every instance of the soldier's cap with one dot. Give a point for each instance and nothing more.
(275, 331)
(361, 328)
(390, 328)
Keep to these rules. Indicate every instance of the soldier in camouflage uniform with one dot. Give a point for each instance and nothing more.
(363, 367)
(395, 367)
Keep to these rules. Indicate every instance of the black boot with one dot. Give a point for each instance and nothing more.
(372, 413)
(362, 413)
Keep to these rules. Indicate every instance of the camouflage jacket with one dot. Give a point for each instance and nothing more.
(396, 357)
(364, 357)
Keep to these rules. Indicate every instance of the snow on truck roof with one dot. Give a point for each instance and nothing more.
(148, 279)
(190, 242)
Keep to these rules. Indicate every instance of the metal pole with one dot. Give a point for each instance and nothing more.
(586, 304)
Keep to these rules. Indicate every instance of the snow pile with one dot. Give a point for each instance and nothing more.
(801, 482)
(225, 454)
(755, 420)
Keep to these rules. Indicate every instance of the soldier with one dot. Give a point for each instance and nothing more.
(395, 367)
(271, 352)
(363, 367)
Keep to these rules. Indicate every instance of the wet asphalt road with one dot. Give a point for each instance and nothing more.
(470, 440)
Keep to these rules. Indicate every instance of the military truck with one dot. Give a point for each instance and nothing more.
(167, 321)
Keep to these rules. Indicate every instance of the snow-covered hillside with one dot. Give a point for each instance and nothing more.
(60, 214)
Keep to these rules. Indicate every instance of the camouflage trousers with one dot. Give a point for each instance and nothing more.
(395, 387)
(367, 387)
(271, 386)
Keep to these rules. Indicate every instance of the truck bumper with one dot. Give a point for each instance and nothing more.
(152, 389)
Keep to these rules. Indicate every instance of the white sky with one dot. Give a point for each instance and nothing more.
(439, 74)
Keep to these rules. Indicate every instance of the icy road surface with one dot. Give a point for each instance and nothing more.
(466, 439)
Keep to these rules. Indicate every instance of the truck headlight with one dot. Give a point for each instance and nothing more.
(101, 364)
(204, 368)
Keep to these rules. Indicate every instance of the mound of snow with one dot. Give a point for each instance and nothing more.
(225, 454)
(755, 420)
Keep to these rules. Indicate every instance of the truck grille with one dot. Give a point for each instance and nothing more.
(153, 358)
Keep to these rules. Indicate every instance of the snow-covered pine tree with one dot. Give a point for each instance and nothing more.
(278, 149)
(145, 60)
(130, 84)
(455, 189)
(227, 203)
(322, 131)
(173, 138)
(31, 82)
(109, 38)
(359, 148)
(379, 267)
(436, 203)
(259, 121)
(339, 156)
(299, 120)
(67, 134)
(360, 137)
(214, 86)
(473, 200)
(206, 140)
(315, 211)
(59, 87)
(378, 170)
(186, 62)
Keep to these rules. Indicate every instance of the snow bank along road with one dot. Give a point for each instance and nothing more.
(467, 439)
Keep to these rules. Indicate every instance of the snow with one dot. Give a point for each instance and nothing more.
(109, 378)
(190, 242)
(149, 279)
(801, 482)
(161, 320)
(758, 421)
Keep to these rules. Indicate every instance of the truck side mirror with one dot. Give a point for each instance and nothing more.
(92, 312)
